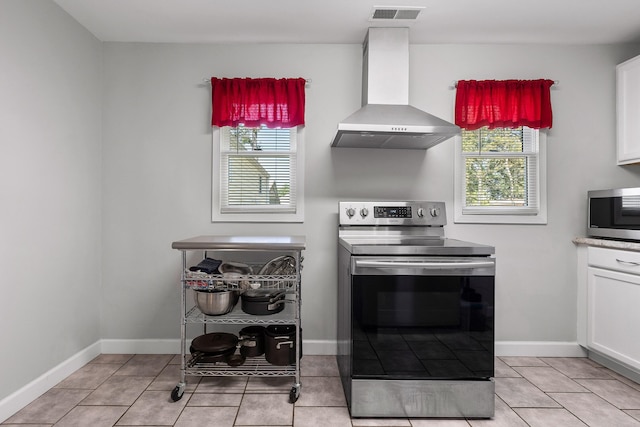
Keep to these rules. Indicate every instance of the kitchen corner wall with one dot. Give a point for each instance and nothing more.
(50, 246)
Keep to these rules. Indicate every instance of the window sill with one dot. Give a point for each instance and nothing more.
(261, 217)
(539, 219)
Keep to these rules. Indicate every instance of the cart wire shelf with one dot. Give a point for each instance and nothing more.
(253, 366)
(203, 281)
(239, 317)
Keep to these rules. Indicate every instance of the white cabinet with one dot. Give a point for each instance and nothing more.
(613, 297)
(628, 111)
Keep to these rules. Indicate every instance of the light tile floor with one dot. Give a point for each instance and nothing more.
(134, 390)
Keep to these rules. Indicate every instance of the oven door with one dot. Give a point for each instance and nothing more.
(422, 317)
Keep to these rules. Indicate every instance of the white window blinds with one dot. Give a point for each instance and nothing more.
(500, 172)
(257, 170)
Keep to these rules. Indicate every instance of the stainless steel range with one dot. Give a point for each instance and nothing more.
(415, 314)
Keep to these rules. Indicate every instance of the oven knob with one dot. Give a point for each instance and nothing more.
(351, 212)
(434, 212)
(420, 212)
(364, 212)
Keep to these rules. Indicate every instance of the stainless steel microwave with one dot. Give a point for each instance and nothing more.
(614, 213)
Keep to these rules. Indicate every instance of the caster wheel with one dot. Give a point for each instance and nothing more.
(177, 393)
(294, 394)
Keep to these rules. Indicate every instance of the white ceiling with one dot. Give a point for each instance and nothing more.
(346, 21)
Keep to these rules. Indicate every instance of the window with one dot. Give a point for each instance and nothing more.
(260, 174)
(500, 176)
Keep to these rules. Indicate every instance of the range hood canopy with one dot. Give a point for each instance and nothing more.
(386, 120)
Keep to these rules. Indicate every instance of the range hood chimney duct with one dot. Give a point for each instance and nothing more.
(386, 120)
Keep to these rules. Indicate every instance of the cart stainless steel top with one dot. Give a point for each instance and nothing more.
(267, 243)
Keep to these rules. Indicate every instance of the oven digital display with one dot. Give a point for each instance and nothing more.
(392, 212)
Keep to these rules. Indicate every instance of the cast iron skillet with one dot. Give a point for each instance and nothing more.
(216, 347)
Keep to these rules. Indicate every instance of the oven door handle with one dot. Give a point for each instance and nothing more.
(439, 265)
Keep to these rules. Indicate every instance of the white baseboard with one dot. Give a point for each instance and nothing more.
(147, 346)
(27, 394)
(330, 347)
(22, 397)
(539, 349)
(319, 347)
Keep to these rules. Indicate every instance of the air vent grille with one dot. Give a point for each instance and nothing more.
(382, 13)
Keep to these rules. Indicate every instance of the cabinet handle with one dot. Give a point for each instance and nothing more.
(635, 264)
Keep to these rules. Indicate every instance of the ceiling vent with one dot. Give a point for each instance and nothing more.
(391, 13)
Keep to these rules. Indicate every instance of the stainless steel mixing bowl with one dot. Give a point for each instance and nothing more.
(215, 302)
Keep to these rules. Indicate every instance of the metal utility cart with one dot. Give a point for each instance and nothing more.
(233, 247)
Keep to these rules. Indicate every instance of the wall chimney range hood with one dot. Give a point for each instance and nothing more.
(386, 120)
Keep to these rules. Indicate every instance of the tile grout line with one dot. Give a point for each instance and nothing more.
(136, 399)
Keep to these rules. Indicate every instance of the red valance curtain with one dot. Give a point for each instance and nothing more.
(254, 102)
(503, 103)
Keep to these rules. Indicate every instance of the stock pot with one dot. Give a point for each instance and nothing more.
(280, 344)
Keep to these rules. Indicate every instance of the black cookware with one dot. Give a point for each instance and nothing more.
(214, 347)
(252, 341)
(280, 344)
(263, 301)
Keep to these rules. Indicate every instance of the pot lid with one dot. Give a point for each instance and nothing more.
(275, 330)
(282, 265)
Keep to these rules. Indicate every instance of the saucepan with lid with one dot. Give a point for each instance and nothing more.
(263, 301)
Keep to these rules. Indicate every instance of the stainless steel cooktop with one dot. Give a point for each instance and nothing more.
(400, 228)
(381, 246)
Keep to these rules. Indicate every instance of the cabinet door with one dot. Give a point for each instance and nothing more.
(614, 319)
(628, 111)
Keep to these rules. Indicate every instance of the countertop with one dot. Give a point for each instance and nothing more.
(608, 243)
(285, 243)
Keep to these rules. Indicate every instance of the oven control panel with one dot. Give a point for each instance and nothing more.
(393, 213)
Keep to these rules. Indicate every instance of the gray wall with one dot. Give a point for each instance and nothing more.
(87, 228)
(50, 133)
(157, 168)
